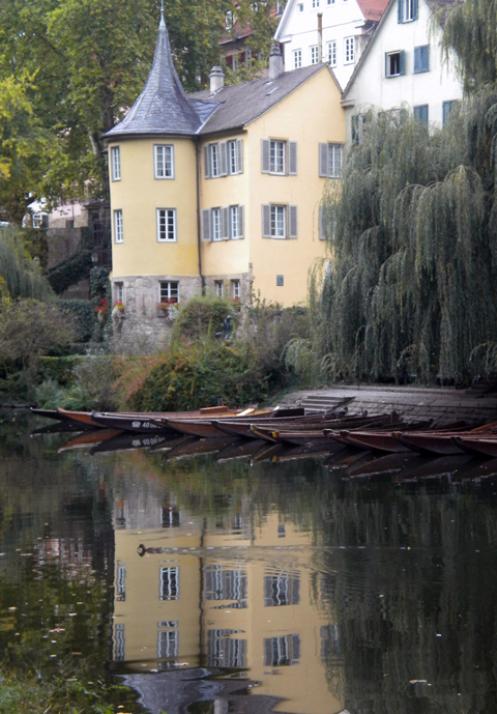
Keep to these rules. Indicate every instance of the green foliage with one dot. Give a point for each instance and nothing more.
(58, 369)
(205, 373)
(21, 274)
(70, 271)
(414, 243)
(202, 317)
(82, 314)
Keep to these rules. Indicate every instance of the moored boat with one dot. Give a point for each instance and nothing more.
(481, 445)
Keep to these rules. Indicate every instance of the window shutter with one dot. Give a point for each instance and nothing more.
(225, 227)
(293, 222)
(223, 158)
(402, 62)
(292, 158)
(241, 218)
(322, 233)
(206, 224)
(266, 221)
(239, 149)
(414, 9)
(400, 10)
(265, 156)
(207, 162)
(323, 159)
(387, 65)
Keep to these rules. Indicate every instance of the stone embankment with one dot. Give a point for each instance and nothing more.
(441, 405)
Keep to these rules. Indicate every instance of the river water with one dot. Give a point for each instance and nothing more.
(242, 586)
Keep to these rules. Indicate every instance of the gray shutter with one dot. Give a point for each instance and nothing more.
(402, 62)
(223, 158)
(239, 148)
(415, 9)
(225, 227)
(241, 218)
(265, 156)
(266, 221)
(292, 233)
(400, 14)
(292, 158)
(207, 162)
(322, 232)
(206, 224)
(323, 159)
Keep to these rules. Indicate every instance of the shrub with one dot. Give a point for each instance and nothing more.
(205, 373)
(93, 384)
(202, 317)
(83, 316)
(58, 369)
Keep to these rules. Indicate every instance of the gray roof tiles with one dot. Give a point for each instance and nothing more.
(163, 108)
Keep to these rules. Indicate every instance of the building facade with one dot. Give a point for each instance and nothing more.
(219, 192)
(404, 66)
(331, 31)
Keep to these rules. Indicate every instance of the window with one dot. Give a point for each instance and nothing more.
(314, 54)
(166, 225)
(225, 584)
(330, 160)
(168, 639)
(280, 281)
(120, 583)
(447, 109)
(297, 59)
(169, 291)
(349, 46)
(170, 517)
(421, 114)
(279, 157)
(279, 221)
(119, 643)
(223, 158)
(164, 161)
(395, 64)
(281, 651)
(281, 589)
(223, 223)
(407, 10)
(115, 161)
(332, 53)
(219, 288)
(119, 292)
(236, 290)
(169, 582)
(118, 226)
(300, 7)
(422, 59)
(223, 650)
(315, 3)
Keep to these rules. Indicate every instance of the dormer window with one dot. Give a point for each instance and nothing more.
(407, 10)
(164, 161)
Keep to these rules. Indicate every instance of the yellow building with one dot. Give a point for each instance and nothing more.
(219, 191)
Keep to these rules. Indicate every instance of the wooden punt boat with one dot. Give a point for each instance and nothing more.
(481, 445)
(243, 427)
(384, 465)
(128, 441)
(439, 467)
(199, 447)
(240, 450)
(208, 428)
(48, 413)
(89, 439)
(443, 442)
(156, 421)
(83, 418)
(383, 441)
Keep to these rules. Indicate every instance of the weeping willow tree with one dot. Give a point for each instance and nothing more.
(20, 274)
(413, 232)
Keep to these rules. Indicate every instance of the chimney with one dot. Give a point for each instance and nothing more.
(275, 61)
(216, 78)
(320, 37)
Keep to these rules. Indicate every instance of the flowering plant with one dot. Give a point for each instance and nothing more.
(118, 306)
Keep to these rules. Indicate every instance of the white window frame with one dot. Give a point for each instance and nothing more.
(219, 288)
(169, 291)
(164, 161)
(166, 591)
(332, 53)
(118, 226)
(236, 289)
(277, 156)
(235, 232)
(115, 162)
(166, 225)
(214, 160)
(233, 149)
(334, 160)
(278, 221)
(314, 54)
(407, 13)
(349, 49)
(297, 58)
(216, 224)
(119, 291)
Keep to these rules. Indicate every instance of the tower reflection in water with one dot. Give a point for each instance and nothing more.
(227, 595)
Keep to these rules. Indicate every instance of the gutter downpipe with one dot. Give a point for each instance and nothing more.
(199, 218)
(320, 37)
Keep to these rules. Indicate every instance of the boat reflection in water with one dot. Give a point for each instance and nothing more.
(229, 597)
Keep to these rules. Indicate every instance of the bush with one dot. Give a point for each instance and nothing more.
(93, 384)
(206, 373)
(82, 314)
(202, 317)
(58, 369)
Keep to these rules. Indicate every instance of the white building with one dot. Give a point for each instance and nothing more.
(403, 65)
(332, 31)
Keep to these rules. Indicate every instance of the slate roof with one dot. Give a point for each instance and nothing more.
(162, 107)
(241, 104)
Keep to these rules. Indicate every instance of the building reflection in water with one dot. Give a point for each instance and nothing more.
(225, 595)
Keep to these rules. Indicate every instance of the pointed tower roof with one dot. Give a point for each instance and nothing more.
(162, 107)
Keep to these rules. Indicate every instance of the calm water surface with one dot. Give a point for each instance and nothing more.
(248, 587)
